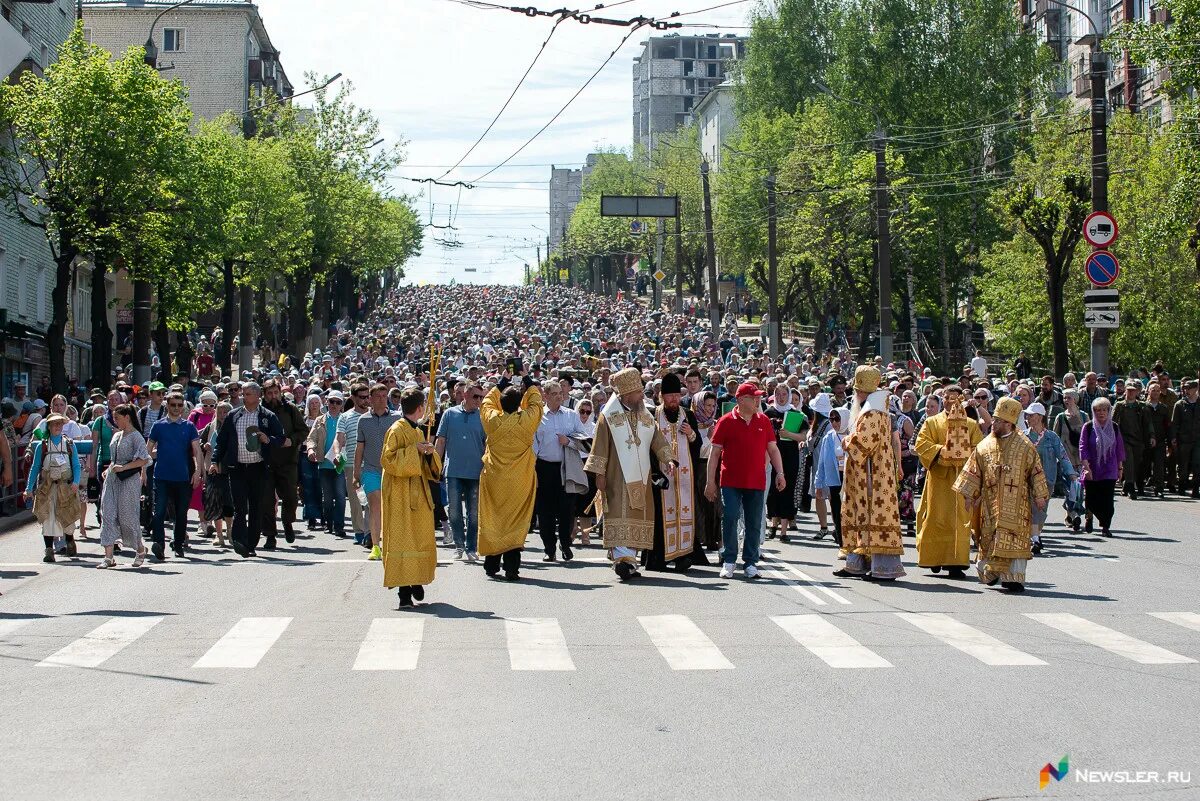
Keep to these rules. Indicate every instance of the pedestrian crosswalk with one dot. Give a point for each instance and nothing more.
(880, 640)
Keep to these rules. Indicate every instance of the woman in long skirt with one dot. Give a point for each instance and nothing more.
(781, 504)
(218, 499)
(121, 500)
(200, 417)
(708, 513)
(54, 486)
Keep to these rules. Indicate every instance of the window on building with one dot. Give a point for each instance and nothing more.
(40, 299)
(712, 70)
(712, 51)
(687, 68)
(87, 35)
(173, 40)
(24, 296)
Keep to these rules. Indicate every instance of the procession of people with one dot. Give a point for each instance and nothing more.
(469, 418)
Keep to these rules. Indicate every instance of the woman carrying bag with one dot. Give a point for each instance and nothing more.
(53, 485)
(121, 499)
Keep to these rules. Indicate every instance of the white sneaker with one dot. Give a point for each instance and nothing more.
(727, 571)
(107, 562)
(472, 556)
(459, 553)
(751, 571)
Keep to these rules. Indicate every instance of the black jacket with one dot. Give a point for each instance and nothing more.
(226, 452)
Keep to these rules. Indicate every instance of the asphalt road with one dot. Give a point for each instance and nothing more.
(295, 676)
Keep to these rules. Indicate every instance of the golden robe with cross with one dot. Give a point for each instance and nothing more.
(678, 499)
(944, 444)
(409, 547)
(870, 501)
(508, 483)
(1005, 476)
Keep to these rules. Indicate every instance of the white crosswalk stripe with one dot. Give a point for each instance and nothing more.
(9, 626)
(812, 597)
(1189, 620)
(829, 643)
(969, 640)
(101, 643)
(683, 644)
(537, 643)
(391, 644)
(1109, 639)
(245, 644)
(800, 574)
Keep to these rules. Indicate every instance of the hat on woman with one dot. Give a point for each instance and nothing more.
(1036, 408)
(821, 404)
(56, 418)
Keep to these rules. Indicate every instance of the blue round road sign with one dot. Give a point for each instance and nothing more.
(1102, 268)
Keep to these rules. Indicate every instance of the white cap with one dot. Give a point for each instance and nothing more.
(335, 395)
(1036, 408)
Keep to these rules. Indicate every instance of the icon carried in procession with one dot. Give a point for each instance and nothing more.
(1100, 229)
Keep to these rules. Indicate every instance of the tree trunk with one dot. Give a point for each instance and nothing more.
(183, 352)
(102, 335)
(912, 308)
(320, 314)
(298, 310)
(162, 341)
(1058, 318)
(261, 318)
(229, 290)
(945, 299)
(56, 342)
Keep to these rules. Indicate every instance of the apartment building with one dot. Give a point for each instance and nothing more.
(30, 36)
(673, 74)
(1071, 35)
(566, 187)
(717, 121)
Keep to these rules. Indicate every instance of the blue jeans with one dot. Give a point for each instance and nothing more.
(181, 491)
(746, 505)
(311, 485)
(464, 491)
(333, 500)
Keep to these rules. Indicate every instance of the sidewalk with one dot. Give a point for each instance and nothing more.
(14, 521)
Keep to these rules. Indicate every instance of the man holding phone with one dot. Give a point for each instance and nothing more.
(555, 507)
(243, 449)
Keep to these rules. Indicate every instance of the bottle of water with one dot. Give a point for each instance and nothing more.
(362, 497)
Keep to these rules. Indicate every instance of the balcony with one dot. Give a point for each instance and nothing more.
(1047, 10)
(1083, 85)
(28, 64)
(1160, 15)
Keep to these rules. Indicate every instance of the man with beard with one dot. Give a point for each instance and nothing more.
(675, 504)
(283, 467)
(626, 435)
(944, 444)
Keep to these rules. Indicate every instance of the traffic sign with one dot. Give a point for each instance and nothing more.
(659, 276)
(1101, 318)
(1102, 268)
(564, 275)
(1101, 297)
(1100, 229)
(635, 226)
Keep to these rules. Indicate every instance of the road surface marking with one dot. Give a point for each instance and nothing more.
(969, 640)
(245, 644)
(537, 643)
(841, 599)
(1189, 620)
(826, 641)
(771, 572)
(391, 644)
(102, 642)
(1109, 639)
(683, 644)
(9, 626)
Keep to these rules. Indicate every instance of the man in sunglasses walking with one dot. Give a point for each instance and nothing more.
(174, 445)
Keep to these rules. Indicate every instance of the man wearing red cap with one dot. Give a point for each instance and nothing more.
(741, 441)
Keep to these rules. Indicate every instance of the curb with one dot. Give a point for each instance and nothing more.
(15, 521)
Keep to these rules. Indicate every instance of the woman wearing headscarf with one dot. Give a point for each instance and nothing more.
(829, 461)
(781, 504)
(708, 513)
(1068, 425)
(200, 417)
(1101, 454)
(1054, 461)
(310, 484)
(907, 487)
(122, 495)
(53, 485)
(217, 496)
(820, 408)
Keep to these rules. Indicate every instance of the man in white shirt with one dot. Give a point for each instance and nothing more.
(555, 508)
(979, 364)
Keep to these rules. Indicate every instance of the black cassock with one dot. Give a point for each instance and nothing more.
(654, 559)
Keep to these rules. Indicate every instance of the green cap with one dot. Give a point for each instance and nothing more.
(156, 386)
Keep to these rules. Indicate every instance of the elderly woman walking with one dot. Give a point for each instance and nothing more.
(53, 485)
(121, 500)
(1102, 454)
(200, 417)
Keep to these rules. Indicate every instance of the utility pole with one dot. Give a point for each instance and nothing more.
(678, 260)
(774, 328)
(1099, 74)
(565, 258)
(246, 341)
(710, 255)
(883, 246)
(539, 259)
(660, 243)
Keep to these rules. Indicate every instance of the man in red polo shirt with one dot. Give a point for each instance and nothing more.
(741, 441)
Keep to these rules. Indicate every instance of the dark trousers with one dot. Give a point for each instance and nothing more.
(333, 500)
(1187, 457)
(835, 509)
(1154, 466)
(555, 507)
(511, 560)
(181, 493)
(1098, 497)
(247, 484)
(282, 481)
(1133, 468)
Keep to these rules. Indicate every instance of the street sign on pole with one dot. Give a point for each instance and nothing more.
(638, 205)
(635, 226)
(1101, 297)
(1102, 268)
(1098, 317)
(659, 276)
(1100, 229)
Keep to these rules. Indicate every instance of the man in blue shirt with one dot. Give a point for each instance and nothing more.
(174, 445)
(460, 442)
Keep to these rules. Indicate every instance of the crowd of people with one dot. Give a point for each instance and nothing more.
(484, 414)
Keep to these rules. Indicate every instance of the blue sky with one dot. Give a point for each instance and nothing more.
(435, 72)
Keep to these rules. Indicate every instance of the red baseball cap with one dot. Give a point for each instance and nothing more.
(748, 389)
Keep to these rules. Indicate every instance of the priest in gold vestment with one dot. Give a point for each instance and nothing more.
(626, 435)
(944, 444)
(409, 464)
(1004, 477)
(508, 483)
(870, 501)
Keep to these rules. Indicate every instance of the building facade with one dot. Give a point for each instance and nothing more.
(673, 74)
(30, 37)
(1070, 35)
(716, 119)
(566, 188)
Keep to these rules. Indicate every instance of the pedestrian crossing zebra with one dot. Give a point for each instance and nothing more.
(540, 644)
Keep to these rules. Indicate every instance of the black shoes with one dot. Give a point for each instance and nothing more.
(844, 573)
(1036, 547)
(177, 549)
(406, 600)
(511, 576)
(269, 545)
(289, 534)
(1106, 533)
(568, 555)
(956, 572)
(1013, 586)
(49, 556)
(313, 525)
(241, 550)
(625, 571)
(159, 550)
(548, 558)
(1088, 526)
(935, 570)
